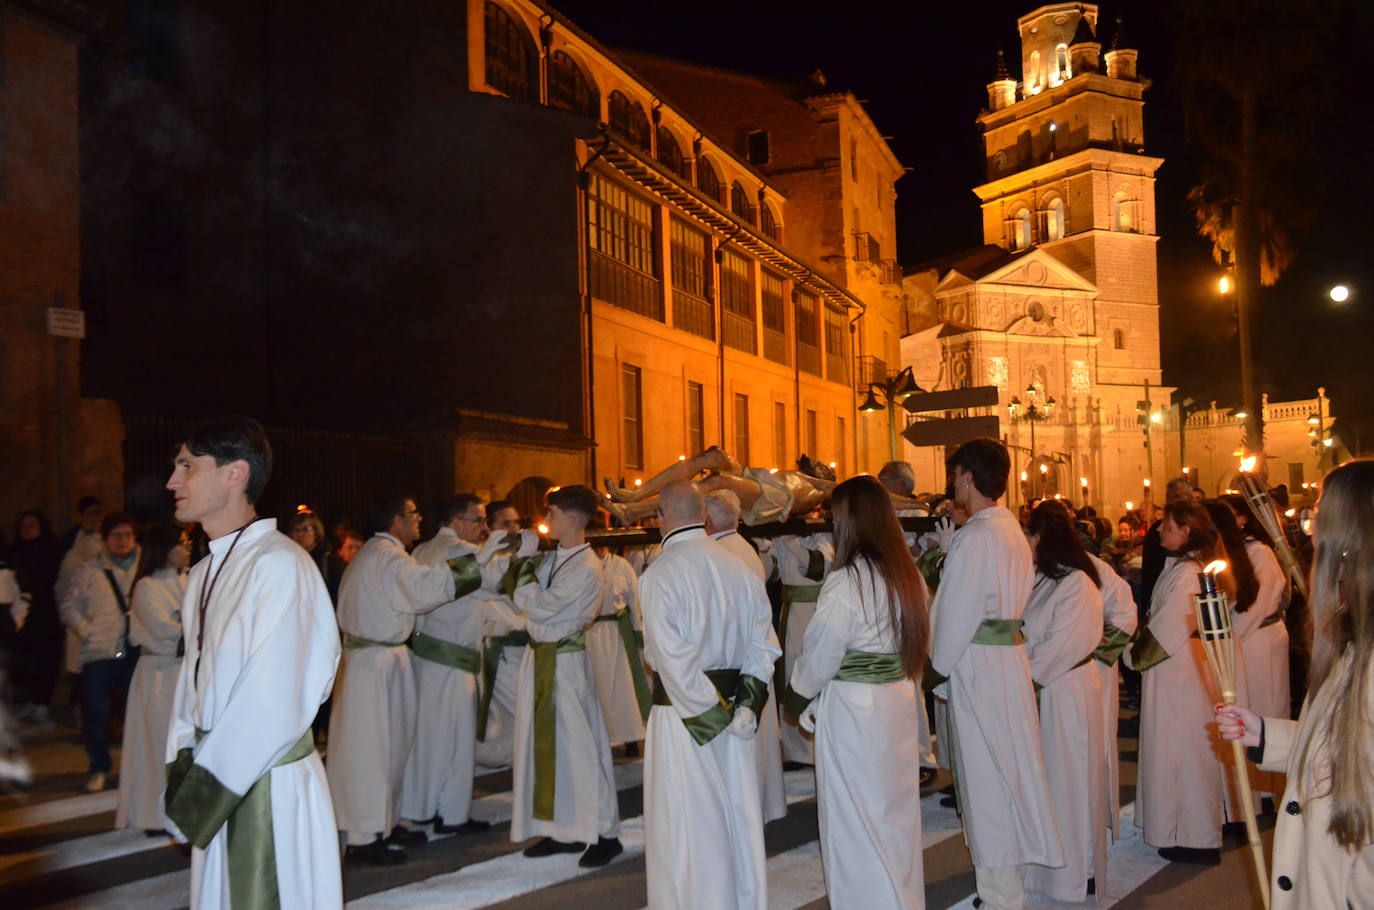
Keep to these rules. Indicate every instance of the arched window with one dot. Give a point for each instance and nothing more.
(1021, 229)
(570, 88)
(512, 64)
(708, 181)
(670, 153)
(739, 202)
(1054, 220)
(1119, 339)
(1033, 77)
(628, 119)
(1062, 71)
(1121, 213)
(769, 224)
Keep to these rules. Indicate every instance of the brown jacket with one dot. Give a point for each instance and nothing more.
(1309, 869)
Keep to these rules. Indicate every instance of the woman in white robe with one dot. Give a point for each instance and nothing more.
(611, 663)
(802, 565)
(155, 627)
(1063, 627)
(1179, 791)
(1119, 621)
(868, 746)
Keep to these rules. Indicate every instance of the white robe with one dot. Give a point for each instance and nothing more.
(703, 831)
(1180, 777)
(438, 775)
(497, 749)
(615, 685)
(868, 750)
(155, 627)
(562, 600)
(271, 649)
(372, 724)
(1007, 816)
(1265, 650)
(768, 752)
(1063, 626)
(1118, 609)
(793, 554)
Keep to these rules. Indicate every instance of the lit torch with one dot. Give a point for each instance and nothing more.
(1214, 628)
(1268, 515)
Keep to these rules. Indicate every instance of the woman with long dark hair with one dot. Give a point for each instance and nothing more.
(1179, 792)
(1262, 632)
(1324, 845)
(1063, 625)
(854, 679)
(155, 627)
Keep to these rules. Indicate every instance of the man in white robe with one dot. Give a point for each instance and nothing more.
(802, 566)
(244, 784)
(564, 788)
(447, 657)
(708, 635)
(613, 649)
(504, 640)
(1119, 621)
(722, 524)
(372, 725)
(999, 775)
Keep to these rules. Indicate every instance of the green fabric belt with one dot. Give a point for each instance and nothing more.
(492, 649)
(1113, 642)
(1147, 651)
(200, 805)
(932, 564)
(999, 632)
(357, 642)
(794, 594)
(521, 572)
(546, 718)
(1272, 618)
(857, 667)
(450, 654)
(735, 690)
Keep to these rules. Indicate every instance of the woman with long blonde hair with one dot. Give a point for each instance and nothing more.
(1324, 845)
(854, 682)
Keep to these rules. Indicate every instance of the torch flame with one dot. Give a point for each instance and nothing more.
(1247, 464)
(1215, 567)
(542, 528)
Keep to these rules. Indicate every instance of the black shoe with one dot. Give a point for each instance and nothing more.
(471, 826)
(600, 853)
(632, 750)
(948, 802)
(155, 832)
(1234, 830)
(377, 853)
(406, 837)
(977, 901)
(548, 847)
(1092, 886)
(1196, 856)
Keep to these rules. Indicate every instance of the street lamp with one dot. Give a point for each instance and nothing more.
(1339, 294)
(1031, 413)
(895, 389)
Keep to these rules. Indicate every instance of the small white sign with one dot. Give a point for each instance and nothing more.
(66, 323)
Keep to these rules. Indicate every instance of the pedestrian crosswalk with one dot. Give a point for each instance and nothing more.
(55, 855)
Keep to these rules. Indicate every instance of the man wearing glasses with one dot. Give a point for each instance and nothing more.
(447, 656)
(372, 727)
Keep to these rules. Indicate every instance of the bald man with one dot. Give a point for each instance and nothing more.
(708, 634)
(722, 524)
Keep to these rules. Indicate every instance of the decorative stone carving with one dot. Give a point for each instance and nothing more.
(1079, 378)
(997, 372)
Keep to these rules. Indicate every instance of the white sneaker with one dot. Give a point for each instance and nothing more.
(96, 782)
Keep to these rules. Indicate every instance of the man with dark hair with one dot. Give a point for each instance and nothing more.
(244, 784)
(96, 610)
(1000, 777)
(571, 800)
(372, 726)
(447, 643)
(502, 516)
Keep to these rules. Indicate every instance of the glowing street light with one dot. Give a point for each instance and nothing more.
(1339, 294)
(1224, 284)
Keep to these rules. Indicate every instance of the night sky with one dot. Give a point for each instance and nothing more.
(922, 69)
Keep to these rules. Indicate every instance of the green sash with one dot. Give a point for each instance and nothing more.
(1113, 642)
(492, 649)
(857, 667)
(357, 642)
(1147, 651)
(795, 594)
(546, 718)
(447, 653)
(1272, 618)
(733, 688)
(198, 803)
(632, 643)
(999, 632)
(521, 572)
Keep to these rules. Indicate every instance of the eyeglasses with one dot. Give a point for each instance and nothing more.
(413, 513)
